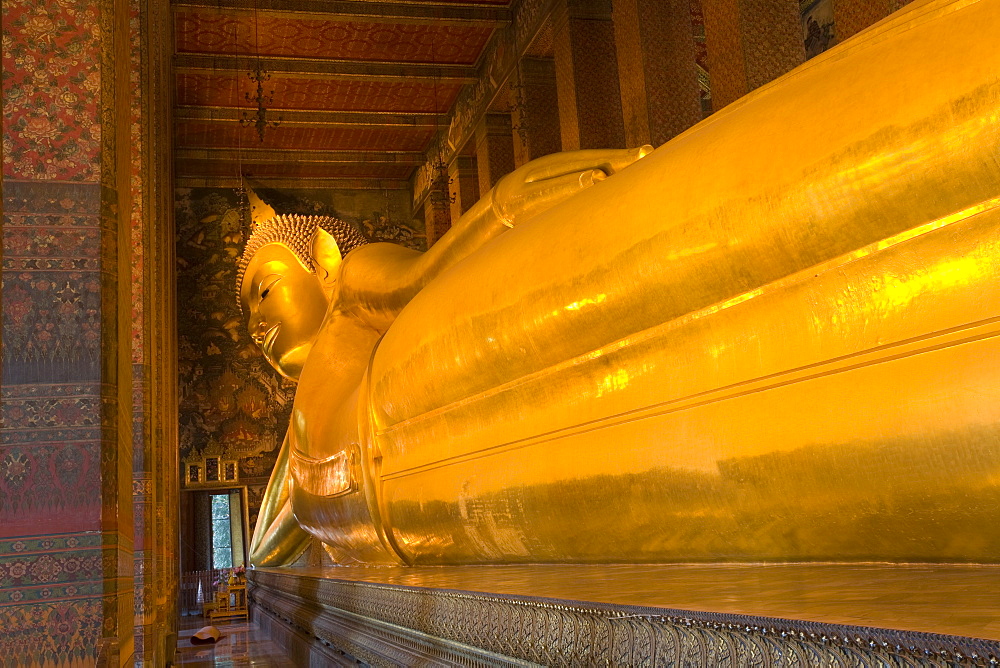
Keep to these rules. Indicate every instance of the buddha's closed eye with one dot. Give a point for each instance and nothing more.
(267, 284)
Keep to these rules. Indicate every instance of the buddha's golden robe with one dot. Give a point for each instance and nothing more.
(775, 338)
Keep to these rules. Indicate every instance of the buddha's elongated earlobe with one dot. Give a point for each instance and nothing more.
(327, 259)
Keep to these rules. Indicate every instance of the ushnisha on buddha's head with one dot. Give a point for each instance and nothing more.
(285, 280)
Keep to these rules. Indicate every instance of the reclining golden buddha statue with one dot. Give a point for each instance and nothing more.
(775, 338)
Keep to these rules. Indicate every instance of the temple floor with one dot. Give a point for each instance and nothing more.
(242, 644)
(944, 599)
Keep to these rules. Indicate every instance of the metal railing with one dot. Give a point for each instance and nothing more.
(196, 588)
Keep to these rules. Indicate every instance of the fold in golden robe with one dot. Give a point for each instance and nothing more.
(775, 338)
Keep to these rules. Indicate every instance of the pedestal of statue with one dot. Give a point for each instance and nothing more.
(703, 615)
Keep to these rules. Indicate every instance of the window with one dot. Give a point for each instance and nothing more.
(222, 535)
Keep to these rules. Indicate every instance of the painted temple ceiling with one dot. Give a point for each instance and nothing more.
(361, 88)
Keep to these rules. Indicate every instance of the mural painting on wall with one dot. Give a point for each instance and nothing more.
(233, 406)
(377, 213)
(817, 26)
(701, 57)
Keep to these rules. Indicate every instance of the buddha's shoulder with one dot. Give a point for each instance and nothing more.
(336, 364)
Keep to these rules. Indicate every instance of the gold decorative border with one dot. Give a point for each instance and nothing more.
(379, 619)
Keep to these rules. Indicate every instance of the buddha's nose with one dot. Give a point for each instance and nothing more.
(258, 327)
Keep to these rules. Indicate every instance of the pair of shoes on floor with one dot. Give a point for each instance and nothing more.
(206, 636)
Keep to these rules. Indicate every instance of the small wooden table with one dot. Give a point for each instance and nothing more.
(230, 601)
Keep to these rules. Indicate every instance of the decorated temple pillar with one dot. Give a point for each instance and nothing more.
(77, 372)
(590, 107)
(656, 61)
(853, 16)
(535, 110)
(153, 339)
(750, 42)
(66, 453)
(463, 185)
(437, 210)
(494, 149)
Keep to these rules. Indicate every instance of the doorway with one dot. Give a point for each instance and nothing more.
(213, 540)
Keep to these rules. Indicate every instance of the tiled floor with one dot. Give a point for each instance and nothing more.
(242, 644)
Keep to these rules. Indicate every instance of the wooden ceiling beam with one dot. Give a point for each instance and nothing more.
(354, 10)
(290, 117)
(291, 156)
(195, 181)
(307, 68)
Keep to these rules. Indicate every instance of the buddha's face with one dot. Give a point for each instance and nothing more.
(285, 304)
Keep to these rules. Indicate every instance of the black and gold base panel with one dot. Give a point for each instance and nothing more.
(352, 616)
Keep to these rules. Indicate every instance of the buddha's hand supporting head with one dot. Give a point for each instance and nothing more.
(546, 181)
(286, 279)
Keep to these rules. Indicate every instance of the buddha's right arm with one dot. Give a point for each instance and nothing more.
(378, 280)
(277, 540)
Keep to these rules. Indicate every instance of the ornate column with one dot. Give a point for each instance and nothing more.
(437, 210)
(853, 16)
(463, 185)
(656, 61)
(82, 199)
(494, 150)
(750, 42)
(535, 110)
(153, 337)
(590, 110)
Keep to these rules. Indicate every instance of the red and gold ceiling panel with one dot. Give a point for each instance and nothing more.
(359, 138)
(203, 32)
(303, 170)
(317, 94)
(411, 61)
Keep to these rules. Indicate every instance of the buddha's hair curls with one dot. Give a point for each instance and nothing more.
(296, 232)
